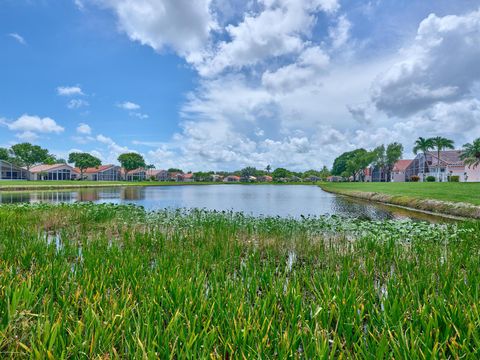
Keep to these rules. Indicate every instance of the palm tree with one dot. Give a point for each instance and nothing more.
(471, 154)
(441, 143)
(423, 145)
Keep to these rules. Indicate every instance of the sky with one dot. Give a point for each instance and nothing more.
(224, 84)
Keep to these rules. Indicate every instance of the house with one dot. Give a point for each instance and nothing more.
(158, 175)
(310, 178)
(139, 174)
(8, 171)
(184, 178)
(367, 174)
(102, 173)
(217, 178)
(399, 171)
(53, 172)
(334, 178)
(231, 178)
(265, 178)
(441, 167)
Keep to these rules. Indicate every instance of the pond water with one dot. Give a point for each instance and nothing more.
(268, 200)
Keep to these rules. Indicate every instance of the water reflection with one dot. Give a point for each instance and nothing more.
(268, 200)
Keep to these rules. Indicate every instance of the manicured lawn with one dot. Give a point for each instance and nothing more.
(455, 192)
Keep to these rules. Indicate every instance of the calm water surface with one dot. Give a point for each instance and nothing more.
(268, 200)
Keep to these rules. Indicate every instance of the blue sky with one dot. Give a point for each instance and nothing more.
(211, 84)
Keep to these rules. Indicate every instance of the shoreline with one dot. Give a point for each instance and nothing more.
(460, 210)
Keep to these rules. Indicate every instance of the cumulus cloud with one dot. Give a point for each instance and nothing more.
(69, 90)
(77, 104)
(273, 89)
(281, 28)
(128, 105)
(182, 25)
(19, 38)
(35, 124)
(84, 129)
(340, 34)
(440, 66)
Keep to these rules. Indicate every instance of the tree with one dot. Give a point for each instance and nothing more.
(380, 160)
(84, 161)
(393, 154)
(471, 154)
(4, 154)
(356, 165)
(280, 173)
(340, 163)
(423, 145)
(248, 171)
(131, 161)
(441, 143)
(268, 169)
(29, 155)
(324, 173)
(174, 170)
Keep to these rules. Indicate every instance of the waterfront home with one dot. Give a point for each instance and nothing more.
(334, 178)
(53, 172)
(102, 173)
(442, 167)
(231, 178)
(217, 178)
(399, 171)
(265, 178)
(8, 171)
(139, 174)
(158, 175)
(184, 177)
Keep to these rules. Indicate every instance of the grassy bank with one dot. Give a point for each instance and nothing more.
(459, 199)
(116, 282)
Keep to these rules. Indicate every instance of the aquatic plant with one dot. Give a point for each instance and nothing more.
(109, 281)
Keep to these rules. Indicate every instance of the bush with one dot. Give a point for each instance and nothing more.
(454, 178)
(415, 178)
(431, 178)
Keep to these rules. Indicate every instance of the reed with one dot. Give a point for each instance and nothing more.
(106, 281)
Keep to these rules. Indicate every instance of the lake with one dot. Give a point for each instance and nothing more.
(257, 200)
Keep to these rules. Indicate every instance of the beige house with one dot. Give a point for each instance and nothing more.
(53, 172)
(400, 170)
(102, 173)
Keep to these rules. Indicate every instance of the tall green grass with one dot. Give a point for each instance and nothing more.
(105, 281)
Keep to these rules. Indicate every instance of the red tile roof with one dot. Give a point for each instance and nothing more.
(95, 170)
(401, 165)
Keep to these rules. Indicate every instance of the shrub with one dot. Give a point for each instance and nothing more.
(415, 178)
(431, 178)
(454, 178)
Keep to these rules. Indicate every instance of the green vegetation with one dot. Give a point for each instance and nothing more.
(471, 154)
(453, 192)
(131, 161)
(105, 281)
(83, 161)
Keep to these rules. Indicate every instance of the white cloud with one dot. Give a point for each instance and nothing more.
(77, 103)
(440, 66)
(69, 90)
(183, 25)
(139, 115)
(84, 129)
(128, 105)
(35, 124)
(340, 33)
(20, 39)
(280, 29)
(29, 136)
